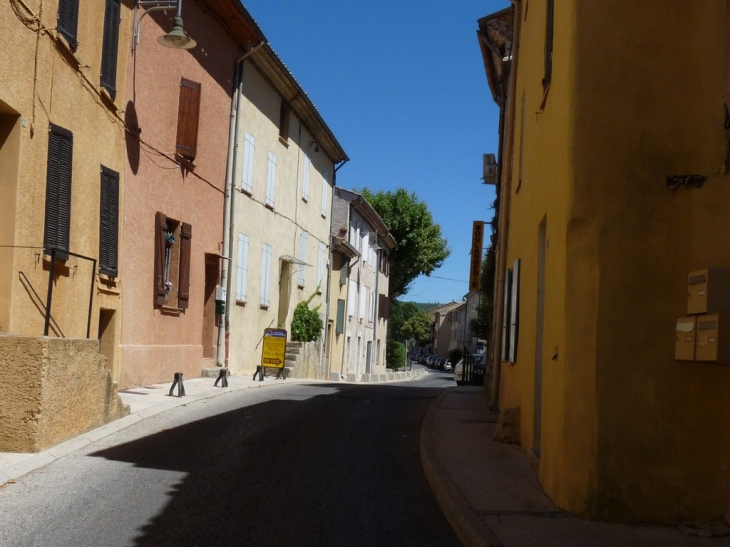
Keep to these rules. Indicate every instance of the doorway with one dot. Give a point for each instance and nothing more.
(107, 338)
(209, 338)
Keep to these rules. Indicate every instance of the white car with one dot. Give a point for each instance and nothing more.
(479, 363)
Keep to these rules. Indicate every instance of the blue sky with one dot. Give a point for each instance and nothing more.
(401, 84)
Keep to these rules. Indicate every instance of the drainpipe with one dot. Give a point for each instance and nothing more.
(505, 180)
(228, 207)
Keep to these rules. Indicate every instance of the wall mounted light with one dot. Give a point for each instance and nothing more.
(176, 38)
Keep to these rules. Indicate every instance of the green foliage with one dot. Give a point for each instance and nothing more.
(306, 325)
(418, 327)
(455, 356)
(421, 246)
(400, 312)
(395, 354)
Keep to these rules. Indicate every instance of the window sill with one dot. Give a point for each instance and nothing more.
(241, 303)
(269, 206)
(264, 307)
(169, 310)
(305, 199)
(185, 162)
(284, 141)
(300, 287)
(246, 192)
(108, 99)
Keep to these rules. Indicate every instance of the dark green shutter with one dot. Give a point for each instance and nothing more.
(340, 327)
(344, 266)
(68, 17)
(110, 47)
(109, 222)
(58, 191)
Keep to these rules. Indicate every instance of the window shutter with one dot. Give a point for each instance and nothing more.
(270, 180)
(265, 268)
(242, 278)
(248, 152)
(351, 295)
(305, 181)
(514, 311)
(160, 230)
(68, 17)
(302, 255)
(365, 248)
(340, 327)
(325, 193)
(58, 191)
(110, 47)
(320, 266)
(109, 222)
(363, 300)
(344, 267)
(187, 119)
(506, 314)
(186, 235)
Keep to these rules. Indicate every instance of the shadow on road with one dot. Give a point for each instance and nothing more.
(340, 468)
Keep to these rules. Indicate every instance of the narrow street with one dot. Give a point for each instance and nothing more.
(318, 464)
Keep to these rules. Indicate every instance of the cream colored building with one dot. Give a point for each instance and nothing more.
(61, 174)
(359, 286)
(281, 208)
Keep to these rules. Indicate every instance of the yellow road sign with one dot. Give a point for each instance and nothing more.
(274, 348)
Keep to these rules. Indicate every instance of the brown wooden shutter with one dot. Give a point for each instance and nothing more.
(186, 234)
(110, 46)
(109, 222)
(160, 232)
(187, 119)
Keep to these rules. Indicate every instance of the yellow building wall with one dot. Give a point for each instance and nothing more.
(628, 433)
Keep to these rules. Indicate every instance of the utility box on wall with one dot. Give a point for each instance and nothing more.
(708, 291)
(713, 338)
(684, 348)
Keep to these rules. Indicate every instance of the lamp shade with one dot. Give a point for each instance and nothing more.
(177, 38)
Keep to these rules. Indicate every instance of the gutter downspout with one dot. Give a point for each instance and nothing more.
(505, 180)
(328, 294)
(224, 327)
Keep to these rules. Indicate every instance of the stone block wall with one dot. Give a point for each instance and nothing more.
(52, 389)
(303, 359)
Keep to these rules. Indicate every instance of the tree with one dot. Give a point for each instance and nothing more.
(400, 313)
(418, 327)
(421, 247)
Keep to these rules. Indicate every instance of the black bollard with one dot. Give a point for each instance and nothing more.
(259, 372)
(179, 383)
(222, 375)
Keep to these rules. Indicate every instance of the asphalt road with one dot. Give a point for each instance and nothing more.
(299, 465)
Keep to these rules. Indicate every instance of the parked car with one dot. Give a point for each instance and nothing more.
(479, 360)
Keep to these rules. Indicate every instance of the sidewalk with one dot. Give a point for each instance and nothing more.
(147, 401)
(491, 496)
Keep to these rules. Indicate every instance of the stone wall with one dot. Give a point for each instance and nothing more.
(52, 389)
(303, 359)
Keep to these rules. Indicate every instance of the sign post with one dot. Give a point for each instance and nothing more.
(273, 351)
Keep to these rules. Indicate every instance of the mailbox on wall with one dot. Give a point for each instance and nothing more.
(708, 291)
(713, 344)
(684, 348)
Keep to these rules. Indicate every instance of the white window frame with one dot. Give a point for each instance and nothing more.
(265, 273)
(363, 302)
(242, 271)
(351, 297)
(270, 179)
(249, 148)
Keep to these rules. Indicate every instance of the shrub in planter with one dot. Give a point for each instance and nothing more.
(395, 354)
(306, 325)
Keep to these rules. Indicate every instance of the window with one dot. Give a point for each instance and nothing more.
(371, 316)
(186, 143)
(305, 177)
(68, 18)
(58, 191)
(320, 267)
(110, 47)
(242, 271)
(302, 255)
(365, 247)
(109, 222)
(284, 122)
(265, 274)
(249, 147)
(325, 191)
(172, 261)
(510, 318)
(270, 180)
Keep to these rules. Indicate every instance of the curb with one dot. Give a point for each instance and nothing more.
(461, 516)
